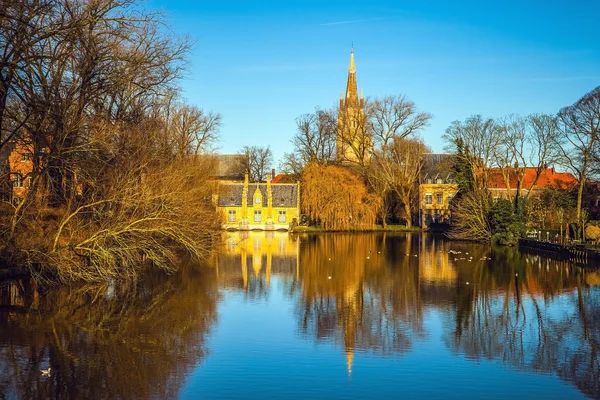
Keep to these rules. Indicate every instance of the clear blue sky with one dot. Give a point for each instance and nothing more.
(262, 64)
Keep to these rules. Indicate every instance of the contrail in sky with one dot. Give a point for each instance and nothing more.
(350, 22)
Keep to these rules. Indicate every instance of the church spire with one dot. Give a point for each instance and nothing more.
(351, 89)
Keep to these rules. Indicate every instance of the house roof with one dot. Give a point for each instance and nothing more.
(228, 166)
(283, 178)
(437, 165)
(548, 178)
(284, 194)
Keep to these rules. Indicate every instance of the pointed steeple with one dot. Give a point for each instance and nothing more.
(351, 89)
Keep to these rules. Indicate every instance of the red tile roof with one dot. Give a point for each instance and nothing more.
(283, 178)
(548, 178)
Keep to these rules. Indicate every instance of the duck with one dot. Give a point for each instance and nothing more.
(45, 372)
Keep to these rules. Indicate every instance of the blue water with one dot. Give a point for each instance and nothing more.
(328, 316)
(256, 352)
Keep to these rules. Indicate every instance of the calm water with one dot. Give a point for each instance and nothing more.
(338, 316)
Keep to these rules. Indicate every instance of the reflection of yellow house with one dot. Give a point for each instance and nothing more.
(259, 253)
(434, 264)
(263, 206)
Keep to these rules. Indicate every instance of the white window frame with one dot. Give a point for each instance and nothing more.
(257, 215)
(231, 215)
(428, 198)
(282, 216)
(438, 196)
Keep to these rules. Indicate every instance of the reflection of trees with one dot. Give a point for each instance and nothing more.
(105, 342)
(349, 295)
(532, 313)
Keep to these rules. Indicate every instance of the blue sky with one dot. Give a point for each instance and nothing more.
(263, 64)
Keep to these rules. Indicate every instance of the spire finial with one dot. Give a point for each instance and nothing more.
(352, 68)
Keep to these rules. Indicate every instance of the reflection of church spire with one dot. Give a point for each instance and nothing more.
(352, 310)
(349, 360)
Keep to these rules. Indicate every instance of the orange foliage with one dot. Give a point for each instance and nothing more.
(337, 199)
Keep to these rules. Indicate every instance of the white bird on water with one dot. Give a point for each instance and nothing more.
(45, 372)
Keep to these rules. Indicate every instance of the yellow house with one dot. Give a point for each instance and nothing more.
(436, 189)
(260, 206)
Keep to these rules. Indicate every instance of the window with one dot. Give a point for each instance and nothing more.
(439, 198)
(440, 181)
(282, 216)
(18, 181)
(257, 215)
(429, 180)
(231, 216)
(428, 198)
(257, 200)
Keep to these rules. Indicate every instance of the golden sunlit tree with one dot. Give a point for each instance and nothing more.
(337, 199)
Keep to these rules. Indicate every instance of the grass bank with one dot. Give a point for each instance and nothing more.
(377, 228)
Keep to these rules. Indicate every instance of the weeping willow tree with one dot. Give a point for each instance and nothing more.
(337, 199)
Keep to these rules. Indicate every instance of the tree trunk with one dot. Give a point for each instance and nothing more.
(579, 201)
(408, 214)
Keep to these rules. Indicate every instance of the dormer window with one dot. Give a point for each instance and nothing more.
(257, 200)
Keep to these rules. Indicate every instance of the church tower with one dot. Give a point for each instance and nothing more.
(353, 144)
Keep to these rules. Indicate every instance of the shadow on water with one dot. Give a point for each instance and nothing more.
(104, 341)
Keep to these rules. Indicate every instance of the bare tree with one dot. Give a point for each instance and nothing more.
(81, 84)
(474, 141)
(258, 161)
(292, 164)
(579, 137)
(194, 131)
(398, 166)
(527, 142)
(314, 140)
(395, 117)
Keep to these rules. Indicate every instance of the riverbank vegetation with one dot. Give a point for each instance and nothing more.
(105, 175)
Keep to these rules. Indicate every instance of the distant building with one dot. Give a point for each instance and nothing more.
(549, 178)
(260, 206)
(437, 187)
(353, 143)
(228, 167)
(20, 168)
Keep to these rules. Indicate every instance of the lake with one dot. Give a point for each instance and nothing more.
(320, 316)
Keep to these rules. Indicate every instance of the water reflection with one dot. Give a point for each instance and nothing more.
(362, 299)
(104, 341)
(371, 293)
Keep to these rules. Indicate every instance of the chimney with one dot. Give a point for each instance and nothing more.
(273, 173)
